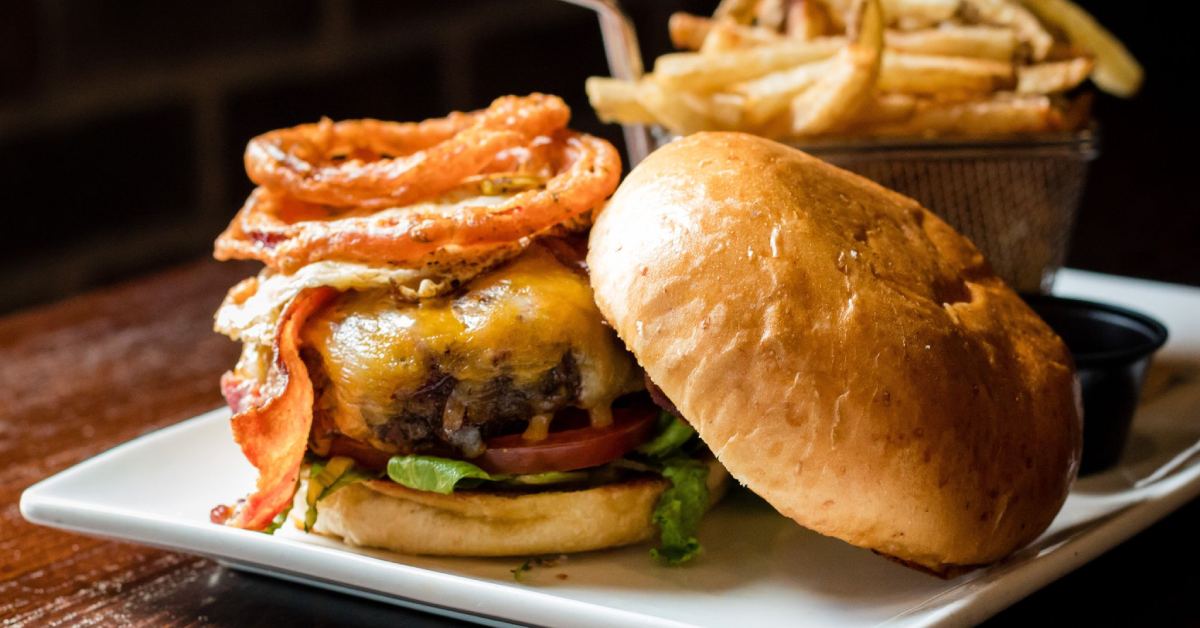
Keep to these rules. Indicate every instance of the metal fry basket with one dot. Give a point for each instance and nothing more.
(1015, 198)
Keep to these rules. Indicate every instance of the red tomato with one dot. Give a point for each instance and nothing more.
(571, 449)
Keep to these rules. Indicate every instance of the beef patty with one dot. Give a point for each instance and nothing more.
(446, 415)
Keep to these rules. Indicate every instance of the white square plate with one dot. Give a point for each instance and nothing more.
(760, 567)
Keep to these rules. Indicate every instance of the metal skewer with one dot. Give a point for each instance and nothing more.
(624, 62)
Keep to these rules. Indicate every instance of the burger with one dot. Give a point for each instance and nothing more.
(424, 367)
(452, 364)
(843, 352)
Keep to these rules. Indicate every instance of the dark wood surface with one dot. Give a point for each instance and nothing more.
(83, 375)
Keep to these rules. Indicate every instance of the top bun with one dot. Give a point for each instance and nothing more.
(847, 355)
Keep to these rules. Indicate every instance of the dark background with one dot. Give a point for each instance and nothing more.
(122, 123)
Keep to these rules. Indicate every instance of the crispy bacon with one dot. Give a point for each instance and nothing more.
(240, 393)
(272, 421)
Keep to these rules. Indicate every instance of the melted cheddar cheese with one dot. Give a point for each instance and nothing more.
(517, 322)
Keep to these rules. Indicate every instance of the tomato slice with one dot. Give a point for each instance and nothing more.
(570, 449)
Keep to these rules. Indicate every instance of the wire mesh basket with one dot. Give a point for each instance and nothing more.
(1015, 198)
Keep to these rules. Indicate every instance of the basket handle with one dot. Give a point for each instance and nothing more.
(624, 62)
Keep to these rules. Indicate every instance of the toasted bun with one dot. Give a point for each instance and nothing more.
(846, 354)
(385, 515)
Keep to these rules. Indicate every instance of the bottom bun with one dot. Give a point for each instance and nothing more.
(386, 515)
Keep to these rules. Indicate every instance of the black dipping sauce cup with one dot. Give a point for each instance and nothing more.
(1112, 347)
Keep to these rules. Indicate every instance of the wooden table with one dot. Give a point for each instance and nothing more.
(83, 375)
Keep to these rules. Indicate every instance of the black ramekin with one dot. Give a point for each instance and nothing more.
(1112, 347)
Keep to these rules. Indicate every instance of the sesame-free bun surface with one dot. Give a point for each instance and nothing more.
(845, 354)
(386, 515)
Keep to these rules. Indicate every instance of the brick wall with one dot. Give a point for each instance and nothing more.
(122, 122)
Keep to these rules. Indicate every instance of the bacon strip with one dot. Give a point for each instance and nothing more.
(272, 425)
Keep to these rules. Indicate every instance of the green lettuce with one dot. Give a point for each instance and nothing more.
(355, 474)
(278, 520)
(679, 510)
(672, 432)
(351, 475)
(444, 475)
(677, 513)
(522, 569)
(433, 474)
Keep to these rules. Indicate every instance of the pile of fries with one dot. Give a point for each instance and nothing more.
(794, 69)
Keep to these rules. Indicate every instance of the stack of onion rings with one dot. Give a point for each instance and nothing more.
(375, 192)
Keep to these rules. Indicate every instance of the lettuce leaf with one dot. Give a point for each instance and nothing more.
(349, 476)
(672, 432)
(434, 474)
(679, 510)
(445, 475)
(278, 520)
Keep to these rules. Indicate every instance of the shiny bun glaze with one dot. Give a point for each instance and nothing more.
(845, 354)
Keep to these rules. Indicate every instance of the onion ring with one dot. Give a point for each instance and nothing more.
(287, 233)
(386, 164)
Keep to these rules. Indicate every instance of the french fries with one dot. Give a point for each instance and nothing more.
(770, 14)
(688, 31)
(724, 35)
(727, 111)
(955, 40)
(1054, 76)
(1001, 114)
(919, 13)
(803, 68)
(1012, 14)
(1116, 70)
(807, 19)
(908, 14)
(617, 101)
(681, 111)
(837, 97)
(741, 11)
(768, 96)
(839, 94)
(883, 109)
(699, 72)
(927, 74)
